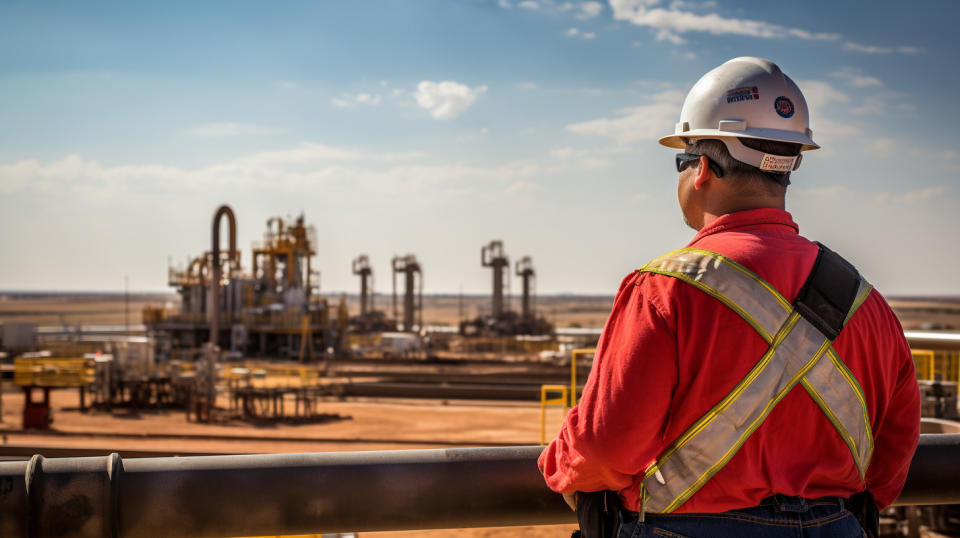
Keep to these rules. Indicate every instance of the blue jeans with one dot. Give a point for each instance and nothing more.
(775, 517)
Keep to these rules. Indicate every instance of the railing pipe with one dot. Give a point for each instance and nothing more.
(329, 492)
(936, 341)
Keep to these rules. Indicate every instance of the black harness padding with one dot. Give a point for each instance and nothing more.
(828, 293)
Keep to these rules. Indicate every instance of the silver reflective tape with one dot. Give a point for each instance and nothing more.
(714, 440)
(841, 400)
(751, 299)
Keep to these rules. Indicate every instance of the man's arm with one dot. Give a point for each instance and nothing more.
(897, 435)
(617, 428)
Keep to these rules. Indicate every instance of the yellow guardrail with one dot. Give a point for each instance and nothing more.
(931, 365)
(923, 360)
(545, 391)
(573, 371)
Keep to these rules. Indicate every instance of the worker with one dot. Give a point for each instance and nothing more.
(752, 383)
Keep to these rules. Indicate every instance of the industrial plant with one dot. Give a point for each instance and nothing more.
(253, 341)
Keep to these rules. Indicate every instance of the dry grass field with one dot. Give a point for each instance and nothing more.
(561, 310)
(112, 309)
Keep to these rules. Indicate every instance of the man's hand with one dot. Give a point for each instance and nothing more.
(571, 500)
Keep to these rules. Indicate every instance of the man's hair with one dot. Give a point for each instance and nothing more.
(747, 176)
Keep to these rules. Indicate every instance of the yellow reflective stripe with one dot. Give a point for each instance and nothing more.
(844, 434)
(737, 390)
(865, 290)
(773, 291)
(858, 392)
(693, 488)
(719, 296)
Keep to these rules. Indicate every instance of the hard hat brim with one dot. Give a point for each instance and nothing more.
(776, 135)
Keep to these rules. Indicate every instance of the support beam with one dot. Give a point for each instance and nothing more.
(275, 494)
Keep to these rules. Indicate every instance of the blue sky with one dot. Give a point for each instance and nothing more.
(432, 127)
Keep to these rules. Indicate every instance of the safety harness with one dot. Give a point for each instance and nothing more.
(800, 337)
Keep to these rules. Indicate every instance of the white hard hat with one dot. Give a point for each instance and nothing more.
(746, 97)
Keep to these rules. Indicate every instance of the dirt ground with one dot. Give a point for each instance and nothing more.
(353, 426)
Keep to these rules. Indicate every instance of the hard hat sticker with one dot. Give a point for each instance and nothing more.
(777, 163)
(783, 106)
(746, 93)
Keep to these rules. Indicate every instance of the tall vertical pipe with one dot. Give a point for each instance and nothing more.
(525, 271)
(492, 256)
(412, 298)
(361, 266)
(215, 280)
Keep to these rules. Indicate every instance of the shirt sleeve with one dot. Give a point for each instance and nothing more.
(896, 438)
(618, 427)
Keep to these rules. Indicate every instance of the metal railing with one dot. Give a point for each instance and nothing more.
(273, 494)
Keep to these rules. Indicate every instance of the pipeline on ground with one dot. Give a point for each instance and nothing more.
(275, 494)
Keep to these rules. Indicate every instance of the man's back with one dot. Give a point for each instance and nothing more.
(670, 352)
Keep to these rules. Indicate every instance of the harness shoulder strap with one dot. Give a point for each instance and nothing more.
(829, 292)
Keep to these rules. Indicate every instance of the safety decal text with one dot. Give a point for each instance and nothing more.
(777, 163)
(746, 93)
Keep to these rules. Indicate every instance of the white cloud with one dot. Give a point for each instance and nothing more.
(819, 94)
(873, 49)
(293, 170)
(579, 157)
(641, 123)
(519, 186)
(505, 4)
(527, 85)
(646, 13)
(913, 197)
(528, 4)
(589, 10)
(575, 32)
(854, 77)
(217, 130)
(446, 99)
(882, 145)
(351, 100)
(666, 35)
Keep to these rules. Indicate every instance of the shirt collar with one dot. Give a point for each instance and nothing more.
(749, 217)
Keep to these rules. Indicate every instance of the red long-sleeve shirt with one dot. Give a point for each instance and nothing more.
(669, 352)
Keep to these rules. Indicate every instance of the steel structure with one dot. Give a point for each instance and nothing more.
(267, 312)
(369, 318)
(524, 270)
(274, 494)
(492, 256)
(412, 291)
(501, 320)
(361, 267)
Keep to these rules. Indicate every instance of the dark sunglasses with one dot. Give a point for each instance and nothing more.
(685, 158)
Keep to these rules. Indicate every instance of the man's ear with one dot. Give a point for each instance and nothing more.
(704, 173)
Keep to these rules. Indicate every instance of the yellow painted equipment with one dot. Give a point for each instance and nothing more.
(932, 365)
(545, 400)
(923, 360)
(573, 372)
(53, 372)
